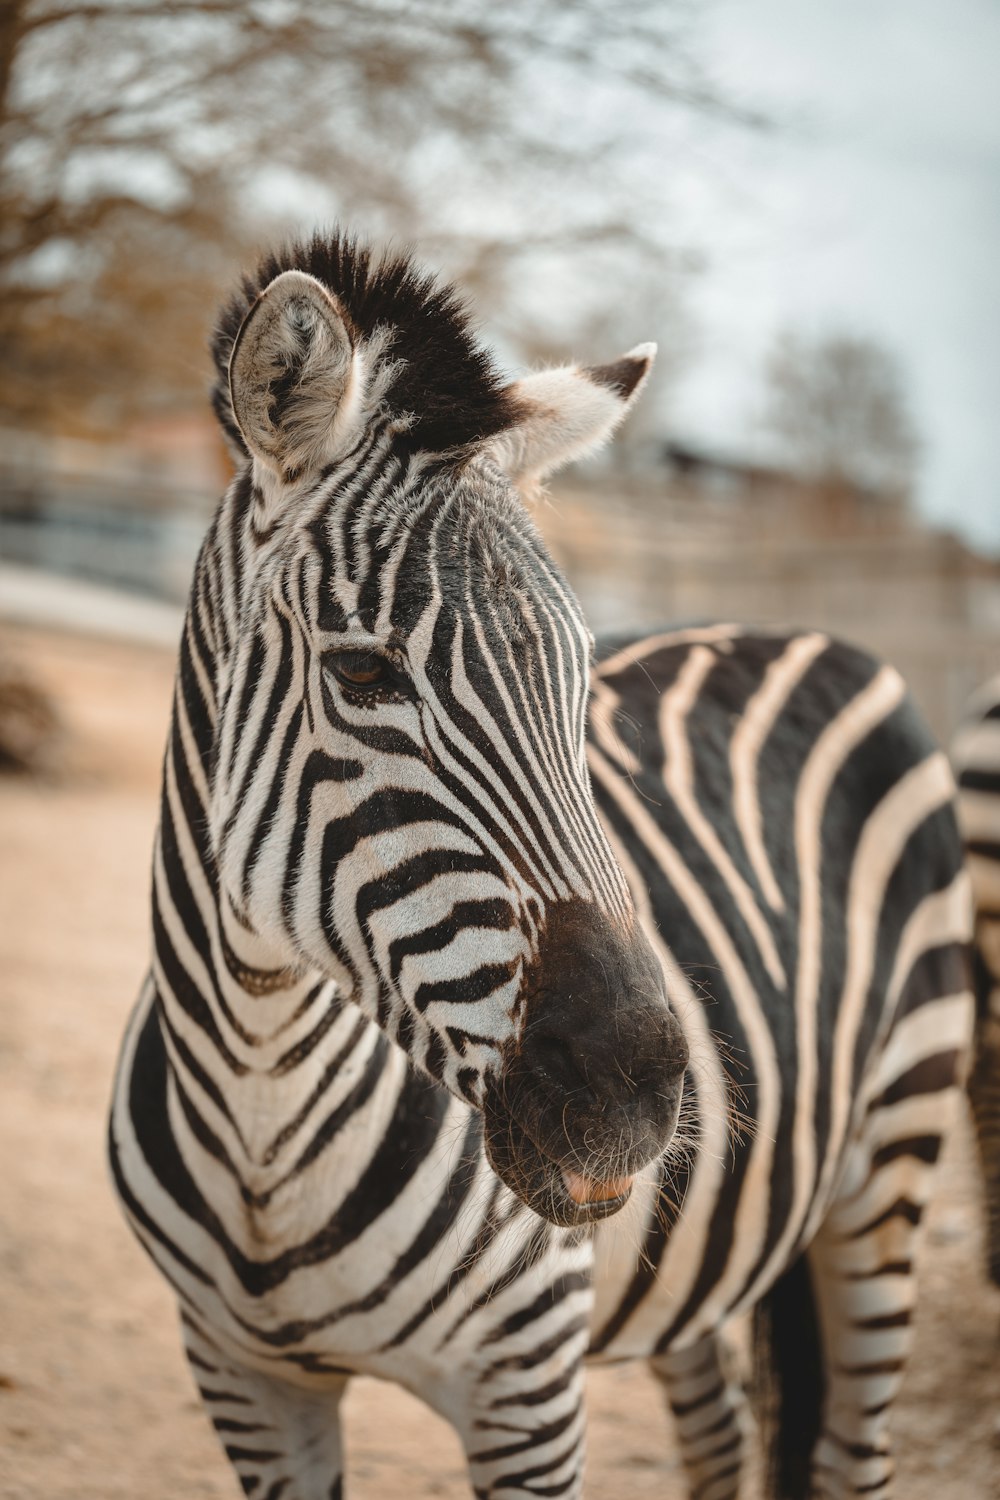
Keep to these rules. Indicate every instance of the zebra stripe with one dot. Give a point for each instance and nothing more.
(976, 757)
(441, 916)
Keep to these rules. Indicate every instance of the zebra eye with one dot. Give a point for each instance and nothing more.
(361, 670)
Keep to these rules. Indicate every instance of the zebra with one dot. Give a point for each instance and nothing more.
(976, 757)
(515, 999)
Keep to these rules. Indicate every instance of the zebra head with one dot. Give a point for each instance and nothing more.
(400, 797)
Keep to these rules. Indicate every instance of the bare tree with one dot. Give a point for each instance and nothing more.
(140, 140)
(838, 406)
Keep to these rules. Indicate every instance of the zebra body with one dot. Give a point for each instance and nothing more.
(402, 1094)
(976, 756)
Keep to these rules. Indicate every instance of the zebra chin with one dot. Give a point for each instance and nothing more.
(539, 1181)
(571, 1189)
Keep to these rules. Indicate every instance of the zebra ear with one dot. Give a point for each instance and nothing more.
(294, 376)
(569, 413)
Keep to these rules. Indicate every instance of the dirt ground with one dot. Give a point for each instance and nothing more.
(95, 1401)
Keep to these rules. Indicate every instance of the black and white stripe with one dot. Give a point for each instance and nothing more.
(440, 918)
(976, 756)
(780, 802)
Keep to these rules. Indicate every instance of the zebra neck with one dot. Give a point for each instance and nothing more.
(202, 946)
(223, 976)
(216, 977)
(228, 1003)
(287, 1044)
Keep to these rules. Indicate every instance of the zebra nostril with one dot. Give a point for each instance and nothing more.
(551, 1059)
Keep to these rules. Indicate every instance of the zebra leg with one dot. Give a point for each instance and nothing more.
(865, 1305)
(524, 1432)
(282, 1441)
(710, 1412)
(861, 1268)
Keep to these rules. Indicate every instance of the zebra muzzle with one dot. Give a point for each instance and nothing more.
(563, 1195)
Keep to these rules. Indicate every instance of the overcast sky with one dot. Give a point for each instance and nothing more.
(874, 209)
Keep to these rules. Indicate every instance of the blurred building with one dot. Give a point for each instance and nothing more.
(696, 536)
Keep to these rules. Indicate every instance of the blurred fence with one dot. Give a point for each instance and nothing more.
(918, 598)
(133, 532)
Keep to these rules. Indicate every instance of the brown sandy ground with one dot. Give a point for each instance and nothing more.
(95, 1401)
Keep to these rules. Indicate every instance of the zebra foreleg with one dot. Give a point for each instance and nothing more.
(525, 1435)
(866, 1341)
(284, 1442)
(711, 1415)
(861, 1266)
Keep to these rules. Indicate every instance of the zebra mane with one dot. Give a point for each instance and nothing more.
(443, 377)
